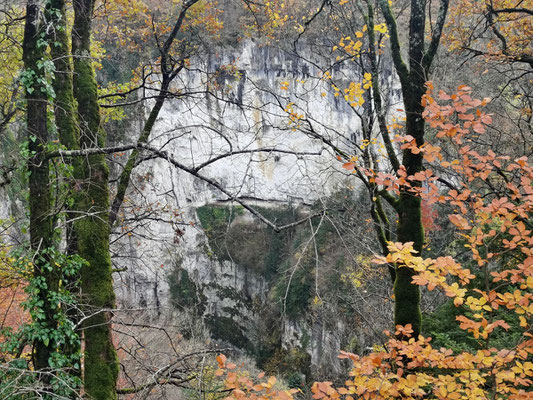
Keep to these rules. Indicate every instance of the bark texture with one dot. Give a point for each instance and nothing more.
(413, 77)
(101, 363)
(67, 128)
(39, 182)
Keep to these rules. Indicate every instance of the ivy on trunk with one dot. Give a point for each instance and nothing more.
(37, 92)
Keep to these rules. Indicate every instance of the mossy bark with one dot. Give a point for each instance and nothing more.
(412, 80)
(100, 362)
(41, 231)
(67, 127)
(407, 294)
(64, 104)
(64, 107)
(410, 228)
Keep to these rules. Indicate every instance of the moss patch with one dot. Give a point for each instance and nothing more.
(290, 364)
(253, 246)
(183, 291)
(215, 221)
(226, 329)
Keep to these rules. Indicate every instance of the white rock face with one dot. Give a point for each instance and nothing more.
(218, 136)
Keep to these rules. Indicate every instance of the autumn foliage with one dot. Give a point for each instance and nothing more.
(12, 295)
(239, 385)
(492, 201)
(496, 29)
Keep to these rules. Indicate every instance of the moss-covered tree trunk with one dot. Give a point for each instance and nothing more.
(34, 80)
(412, 80)
(410, 228)
(64, 107)
(100, 362)
(67, 128)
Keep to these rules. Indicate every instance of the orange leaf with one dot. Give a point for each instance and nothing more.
(479, 128)
(349, 166)
(459, 221)
(221, 360)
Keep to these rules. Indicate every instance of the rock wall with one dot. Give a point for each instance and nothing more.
(260, 98)
(199, 128)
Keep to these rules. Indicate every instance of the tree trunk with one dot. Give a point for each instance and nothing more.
(39, 182)
(67, 127)
(64, 108)
(101, 363)
(412, 80)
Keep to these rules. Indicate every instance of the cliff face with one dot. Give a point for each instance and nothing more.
(184, 243)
